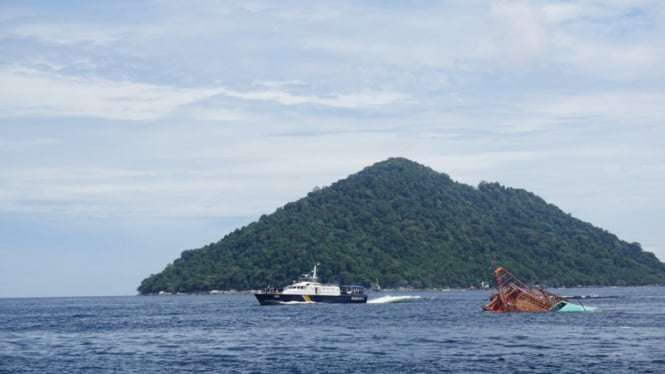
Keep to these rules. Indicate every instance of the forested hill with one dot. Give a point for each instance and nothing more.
(399, 223)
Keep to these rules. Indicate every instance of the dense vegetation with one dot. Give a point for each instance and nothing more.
(399, 223)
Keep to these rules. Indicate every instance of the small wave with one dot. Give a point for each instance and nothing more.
(592, 297)
(392, 299)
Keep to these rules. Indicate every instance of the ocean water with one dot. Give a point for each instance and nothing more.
(396, 332)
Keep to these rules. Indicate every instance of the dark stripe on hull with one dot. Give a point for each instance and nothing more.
(271, 298)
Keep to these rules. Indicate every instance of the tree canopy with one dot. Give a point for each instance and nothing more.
(399, 223)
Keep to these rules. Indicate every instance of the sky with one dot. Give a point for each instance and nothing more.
(133, 130)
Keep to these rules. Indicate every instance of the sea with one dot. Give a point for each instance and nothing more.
(395, 332)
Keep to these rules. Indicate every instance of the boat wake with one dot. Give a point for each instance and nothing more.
(295, 302)
(392, 299)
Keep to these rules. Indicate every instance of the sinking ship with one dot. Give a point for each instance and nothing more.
(513, 295)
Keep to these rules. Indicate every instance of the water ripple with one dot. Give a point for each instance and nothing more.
(428, 332)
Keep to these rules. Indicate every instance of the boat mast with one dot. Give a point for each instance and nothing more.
(314, 277)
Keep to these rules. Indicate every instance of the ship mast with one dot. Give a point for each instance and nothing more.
(314, 277)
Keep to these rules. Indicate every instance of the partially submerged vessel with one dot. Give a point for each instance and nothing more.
(513, 295)
(564, 306)
(308, 289)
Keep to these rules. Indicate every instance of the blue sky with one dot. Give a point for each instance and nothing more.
(133, 130)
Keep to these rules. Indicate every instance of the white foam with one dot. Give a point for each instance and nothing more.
(392, 299)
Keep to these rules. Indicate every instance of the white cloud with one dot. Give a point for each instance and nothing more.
(279, 84)
(26, 144)
(33, 93)
(65, 33)
(519, 33)
(637, 108)
(346, 100)
(120, 193)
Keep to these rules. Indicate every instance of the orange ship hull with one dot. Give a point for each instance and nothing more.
(514, 296)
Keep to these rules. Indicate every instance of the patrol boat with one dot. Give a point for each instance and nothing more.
(308, 290)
